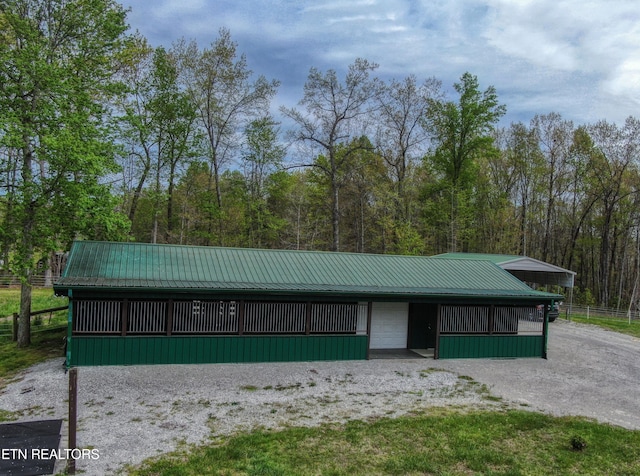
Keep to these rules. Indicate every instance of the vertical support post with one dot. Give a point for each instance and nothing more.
(369, 312)
(169, 317)
(307, 325)
(124, 314)
(492, 310)
(240, 311)
(545, 328)
(73, 416)
(436, 351)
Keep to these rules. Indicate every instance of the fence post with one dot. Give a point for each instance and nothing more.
(73, 416)
(14, 336)
(587, 312)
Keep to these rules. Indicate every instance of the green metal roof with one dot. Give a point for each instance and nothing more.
(139, 266)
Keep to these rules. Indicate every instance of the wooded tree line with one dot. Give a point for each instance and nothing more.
(103, 136)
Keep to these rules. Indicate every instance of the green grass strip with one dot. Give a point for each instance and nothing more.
(612, 323)
(445, 442)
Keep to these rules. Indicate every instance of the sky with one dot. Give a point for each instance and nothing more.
(579, 58)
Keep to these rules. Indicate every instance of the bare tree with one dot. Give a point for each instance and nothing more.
(555, 137)
(613, 170)
(334, 114)
(226, 99)
(400, 138)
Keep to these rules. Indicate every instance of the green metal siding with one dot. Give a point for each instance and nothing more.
(488, 346)
(134, 350)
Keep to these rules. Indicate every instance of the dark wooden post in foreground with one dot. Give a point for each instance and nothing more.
(73, 416)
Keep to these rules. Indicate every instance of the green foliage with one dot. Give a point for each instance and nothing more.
(262, 158)
(462, 130)
(440, 442)
(583, 296)
(408, 240)
(461, 133)
(56, 78)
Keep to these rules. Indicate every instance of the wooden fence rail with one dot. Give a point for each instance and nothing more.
(50, 311)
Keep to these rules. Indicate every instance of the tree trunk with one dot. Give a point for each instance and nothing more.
(546, 244)
(170, 206)
(27, 224)
(604, 256)
(24, 320)
(335, 218)
(214, 182)
(523, 228)
(453, 225)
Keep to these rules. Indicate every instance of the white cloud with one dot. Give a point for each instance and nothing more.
(579, 58)
(598, 41)
(625, 79)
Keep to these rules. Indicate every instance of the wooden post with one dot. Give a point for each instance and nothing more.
(240, 314)
(436, 351)
(124, 316)
(73, 416)
(545, 328)
(492, 310)
(169, 321)
(369, 313)
(307, 324)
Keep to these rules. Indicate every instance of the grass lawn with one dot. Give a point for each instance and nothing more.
(47, 339)
(442, 442)
(612, 323)
(41, 298)
(44, 345)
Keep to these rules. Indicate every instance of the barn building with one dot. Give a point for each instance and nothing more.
(135, 303)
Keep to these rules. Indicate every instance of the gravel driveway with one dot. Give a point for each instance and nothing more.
(590, 372)
(132, 413)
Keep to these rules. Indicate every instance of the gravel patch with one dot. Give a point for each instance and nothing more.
(132, 413)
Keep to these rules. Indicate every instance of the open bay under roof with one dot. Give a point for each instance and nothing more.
(524, 268)
(140, 267)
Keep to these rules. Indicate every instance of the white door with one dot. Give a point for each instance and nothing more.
(389, 324)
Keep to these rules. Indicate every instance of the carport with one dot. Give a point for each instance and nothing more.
(137, 303)
(528, 270)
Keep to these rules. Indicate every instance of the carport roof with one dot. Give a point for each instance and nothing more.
(146, 267)
(524, 268)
